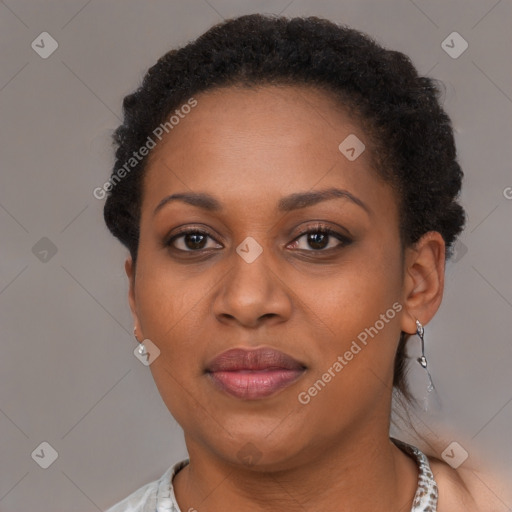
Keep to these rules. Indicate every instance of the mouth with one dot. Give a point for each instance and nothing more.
(253, 374)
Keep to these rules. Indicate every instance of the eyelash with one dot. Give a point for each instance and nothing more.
(324, 230)
(318, 228)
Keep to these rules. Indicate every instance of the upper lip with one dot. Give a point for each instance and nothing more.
(237, 359)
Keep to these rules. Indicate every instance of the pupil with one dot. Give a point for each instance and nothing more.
(315, 243)
(196, 242)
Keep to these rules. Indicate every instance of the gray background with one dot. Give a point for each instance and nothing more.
(68, 373)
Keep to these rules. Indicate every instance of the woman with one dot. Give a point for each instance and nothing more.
(287, 190)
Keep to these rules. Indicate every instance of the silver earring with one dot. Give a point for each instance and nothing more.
(142, 347)
(422, 359)
(419, 331)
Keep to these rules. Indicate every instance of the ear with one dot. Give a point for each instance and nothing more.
(423, 280)
(129, 268)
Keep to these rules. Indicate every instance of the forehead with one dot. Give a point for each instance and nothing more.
(261, 142)
(283, 116)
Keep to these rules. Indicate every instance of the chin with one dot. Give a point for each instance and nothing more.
(259, 447)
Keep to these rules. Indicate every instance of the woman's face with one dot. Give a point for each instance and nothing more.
(249, 279)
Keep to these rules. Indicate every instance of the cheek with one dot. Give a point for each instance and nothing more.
(359, 308)
(169, 310)
(166, 297)
(363, 287)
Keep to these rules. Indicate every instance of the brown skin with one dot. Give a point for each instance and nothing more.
(249, 148)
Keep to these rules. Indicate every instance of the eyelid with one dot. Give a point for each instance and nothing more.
(185, 231)
(324, 228)
(320, 227)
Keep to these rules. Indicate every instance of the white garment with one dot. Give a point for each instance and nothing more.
(158, 496)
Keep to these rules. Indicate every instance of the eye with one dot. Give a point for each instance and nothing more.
(191, 240)
(319, 238)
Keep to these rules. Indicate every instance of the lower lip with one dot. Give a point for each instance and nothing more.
(252, 385)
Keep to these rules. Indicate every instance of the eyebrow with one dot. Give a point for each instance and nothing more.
(286, 204)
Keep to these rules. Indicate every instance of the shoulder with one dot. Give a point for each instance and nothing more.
(138, 501)
(144, 499)
(462, 490)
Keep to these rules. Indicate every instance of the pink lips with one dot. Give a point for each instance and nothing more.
(253, 374)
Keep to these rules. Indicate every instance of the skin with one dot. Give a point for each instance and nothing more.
(248, 149)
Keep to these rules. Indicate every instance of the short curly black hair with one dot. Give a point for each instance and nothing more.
(410, 135)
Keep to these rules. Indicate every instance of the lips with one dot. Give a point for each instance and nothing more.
(253, 374)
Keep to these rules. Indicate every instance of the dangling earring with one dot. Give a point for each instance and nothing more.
(419, 331)
(423, 361)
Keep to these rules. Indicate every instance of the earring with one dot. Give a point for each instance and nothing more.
(142, 347)
(422, 359)
(419, 331)
(422, 385)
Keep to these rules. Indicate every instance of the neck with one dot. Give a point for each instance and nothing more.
(363, 473)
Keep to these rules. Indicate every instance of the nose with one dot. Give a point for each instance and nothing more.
(252, 293)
